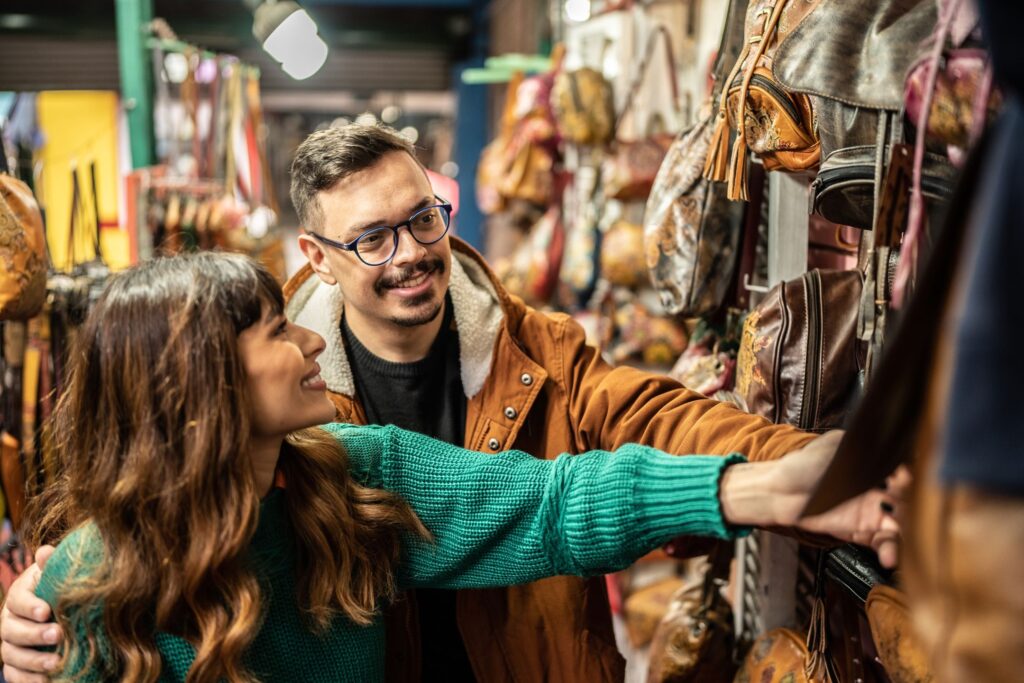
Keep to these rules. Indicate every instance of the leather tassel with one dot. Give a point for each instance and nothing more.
(718, 151)
(738, 170)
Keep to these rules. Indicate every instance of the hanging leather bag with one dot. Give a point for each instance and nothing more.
(583, 105)
(850, 59)
(694, 642)
(775, 124)
(22, 252)
(629, 171)
(800, 360)
(783, 655)
(892, 630)
(691, 229)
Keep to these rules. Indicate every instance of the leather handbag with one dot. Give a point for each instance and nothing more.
(783, 655)
(850, 59)
(691, 229)
(892, 631)
(583, 105)
(631, 167)
(775, 124)
(800, 360)
(694, 642)
(22, 252)
(622, 255)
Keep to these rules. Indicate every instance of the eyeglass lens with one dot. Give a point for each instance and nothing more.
(427, 226)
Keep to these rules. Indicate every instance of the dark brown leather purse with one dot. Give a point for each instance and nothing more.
(800, 359)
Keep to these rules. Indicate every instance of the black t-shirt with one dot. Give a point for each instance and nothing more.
(424, 396)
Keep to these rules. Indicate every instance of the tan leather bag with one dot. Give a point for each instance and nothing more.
(695, 640)
(584, 108)
(893, 632)
(22, 252)
(775, 124)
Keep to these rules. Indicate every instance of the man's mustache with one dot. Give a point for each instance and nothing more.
(394, 279)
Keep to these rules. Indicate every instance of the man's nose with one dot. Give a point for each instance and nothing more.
(408, 250)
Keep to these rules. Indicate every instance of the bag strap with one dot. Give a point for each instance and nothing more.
(634, 87)
(95, 210)
(819, 658)
(915, 224)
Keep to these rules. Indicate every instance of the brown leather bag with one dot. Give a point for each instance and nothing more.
(22, 252)
(775, 124)
(800, 359)
(892, 630)
(850, 59)
(694, 642)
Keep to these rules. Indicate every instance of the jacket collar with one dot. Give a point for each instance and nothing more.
(477, 303)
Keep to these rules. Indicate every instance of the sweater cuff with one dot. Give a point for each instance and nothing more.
(679, 495)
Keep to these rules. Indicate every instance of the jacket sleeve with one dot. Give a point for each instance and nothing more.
(511, 518)
(609, 407)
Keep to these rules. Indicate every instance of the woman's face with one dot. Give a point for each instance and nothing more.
(284, 378)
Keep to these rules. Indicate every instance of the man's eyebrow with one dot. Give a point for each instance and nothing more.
(356, 230)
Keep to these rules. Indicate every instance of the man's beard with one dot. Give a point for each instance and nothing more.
(433, 265)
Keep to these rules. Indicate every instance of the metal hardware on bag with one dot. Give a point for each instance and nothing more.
(493, 444)
(760, 289)
(510, 412)
(526, 379)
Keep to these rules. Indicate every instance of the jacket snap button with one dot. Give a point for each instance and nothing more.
(510, 412)
(493, 444)
(526, 379)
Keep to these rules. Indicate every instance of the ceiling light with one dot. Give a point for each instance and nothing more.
(289, 35)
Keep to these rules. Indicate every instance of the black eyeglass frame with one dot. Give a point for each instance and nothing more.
(445, 207)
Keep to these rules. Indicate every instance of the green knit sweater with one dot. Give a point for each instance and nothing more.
(497, 520)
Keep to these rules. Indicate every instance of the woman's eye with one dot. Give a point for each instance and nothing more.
(281, 329)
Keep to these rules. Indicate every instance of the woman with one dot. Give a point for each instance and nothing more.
(210, 534)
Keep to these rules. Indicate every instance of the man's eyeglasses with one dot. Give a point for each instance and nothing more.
(378, 246)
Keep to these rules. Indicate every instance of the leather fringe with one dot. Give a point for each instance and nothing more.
(738, 169)
(718, 151)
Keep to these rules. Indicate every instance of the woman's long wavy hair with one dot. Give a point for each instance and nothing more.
(152, 436)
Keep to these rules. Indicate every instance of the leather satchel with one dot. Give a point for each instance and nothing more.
(694, 642)
(850, 59)
(800, 359)
(22, 252)
(775, 124)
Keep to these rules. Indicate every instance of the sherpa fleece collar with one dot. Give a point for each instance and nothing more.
(475, 304)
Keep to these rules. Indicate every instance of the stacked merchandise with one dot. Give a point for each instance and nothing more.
(212, 187)
(871, 105)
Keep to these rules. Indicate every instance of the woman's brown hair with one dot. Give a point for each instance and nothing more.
(152, 437)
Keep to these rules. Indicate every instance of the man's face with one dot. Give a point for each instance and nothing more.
(407, 292)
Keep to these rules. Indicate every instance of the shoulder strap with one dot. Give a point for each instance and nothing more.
(641, 73)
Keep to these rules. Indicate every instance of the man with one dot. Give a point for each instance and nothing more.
(420, 334)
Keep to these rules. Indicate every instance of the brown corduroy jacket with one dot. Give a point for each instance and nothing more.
(533, 384)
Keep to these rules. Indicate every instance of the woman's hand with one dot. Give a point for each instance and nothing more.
(778, 495)
(23, 627)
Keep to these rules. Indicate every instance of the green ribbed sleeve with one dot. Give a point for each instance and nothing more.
(511, 518)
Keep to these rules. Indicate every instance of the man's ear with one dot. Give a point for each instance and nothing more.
(317, 258)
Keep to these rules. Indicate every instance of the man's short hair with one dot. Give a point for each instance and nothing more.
(327, 156)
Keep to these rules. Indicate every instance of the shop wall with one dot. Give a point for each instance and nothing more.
(80, 127)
